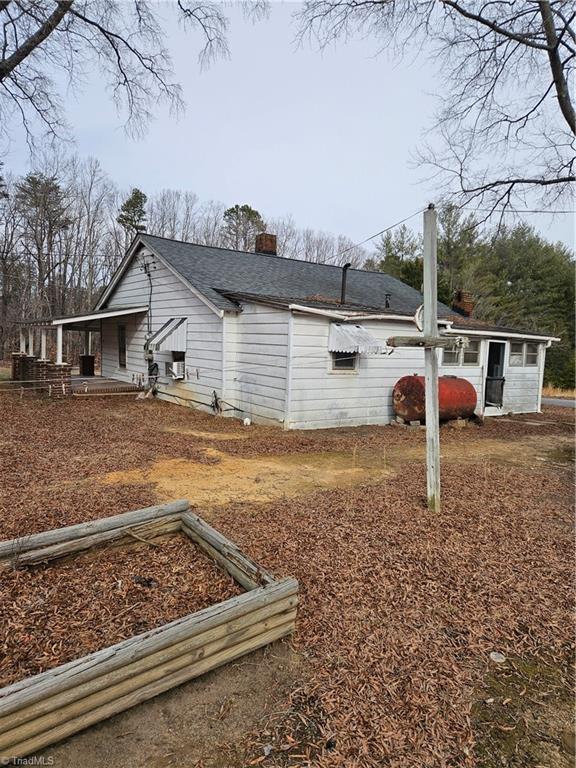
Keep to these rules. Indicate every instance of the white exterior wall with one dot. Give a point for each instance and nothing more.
(522, 385)
(256, 363)
(170, 298)
(321, 397)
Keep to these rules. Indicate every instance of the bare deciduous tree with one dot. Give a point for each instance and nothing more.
(44, 40)
(507, 120)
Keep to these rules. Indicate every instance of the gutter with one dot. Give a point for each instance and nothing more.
(349, 317)
(313, 311)
(502, 334)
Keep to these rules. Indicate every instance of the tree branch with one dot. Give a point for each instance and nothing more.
(29, 45)
(560, 82)
(524, 39)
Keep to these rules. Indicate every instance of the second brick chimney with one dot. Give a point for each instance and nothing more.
(463, 303)
(265, 243)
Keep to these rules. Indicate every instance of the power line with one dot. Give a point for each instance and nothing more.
(381, 232)
(356, 245)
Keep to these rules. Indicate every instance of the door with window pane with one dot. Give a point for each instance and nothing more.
(494, 390)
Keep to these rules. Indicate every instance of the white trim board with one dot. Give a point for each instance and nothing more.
(130, 255)
(99, 315)
(500, 334)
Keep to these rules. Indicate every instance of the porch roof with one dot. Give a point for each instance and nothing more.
(86, 321)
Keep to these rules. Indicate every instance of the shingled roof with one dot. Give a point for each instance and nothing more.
(221, 275)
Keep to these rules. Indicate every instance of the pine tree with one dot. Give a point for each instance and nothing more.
(132, 214)
(241, 225)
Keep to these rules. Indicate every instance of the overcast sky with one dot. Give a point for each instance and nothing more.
(327, 137)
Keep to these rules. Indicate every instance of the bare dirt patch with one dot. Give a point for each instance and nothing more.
(204, 435)
(202, 724)
(525, 452)
(53, 613)
(233, 478)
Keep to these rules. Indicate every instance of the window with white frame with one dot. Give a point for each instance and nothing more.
(516, 353)
(469, 355)
(531, 354)
(450, 356)
(344, 361)
(523, 353)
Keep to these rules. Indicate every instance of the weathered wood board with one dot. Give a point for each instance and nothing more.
(40, 710)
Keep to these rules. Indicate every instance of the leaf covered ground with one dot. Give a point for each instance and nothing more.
(400, 608)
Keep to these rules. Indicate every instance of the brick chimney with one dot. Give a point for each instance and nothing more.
(265, 243)
(463, 303)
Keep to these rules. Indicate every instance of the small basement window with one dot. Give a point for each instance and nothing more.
(516, 353)
(344, 361)
(531, 357)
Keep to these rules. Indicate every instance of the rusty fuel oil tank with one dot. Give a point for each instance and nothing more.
(457, 398)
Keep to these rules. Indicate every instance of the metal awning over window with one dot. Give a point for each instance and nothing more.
(346, 337)
(171, 337)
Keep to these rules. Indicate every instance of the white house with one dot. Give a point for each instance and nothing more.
(274, 339)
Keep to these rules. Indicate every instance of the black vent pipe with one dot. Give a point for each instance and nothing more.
(345, 269)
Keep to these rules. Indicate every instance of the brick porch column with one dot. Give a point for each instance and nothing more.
(17, 358)
(41, 376)
(27, 369)
(59, 379)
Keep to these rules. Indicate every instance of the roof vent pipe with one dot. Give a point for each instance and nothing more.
(345, 269)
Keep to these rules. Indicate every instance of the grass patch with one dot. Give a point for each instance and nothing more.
(549, 391)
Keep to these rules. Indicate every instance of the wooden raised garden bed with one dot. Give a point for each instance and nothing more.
(40, 710)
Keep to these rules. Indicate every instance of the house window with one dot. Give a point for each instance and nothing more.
(344, 361)
(451, 356)
(531, 354)
(122, 346)
(471, 353)
(516, 353)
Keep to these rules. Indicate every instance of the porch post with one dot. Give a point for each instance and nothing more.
(22, 341)
(43, 344)
(31, 340)
(58, 345)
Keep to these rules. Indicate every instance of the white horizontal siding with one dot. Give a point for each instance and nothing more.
(170, 298)
(522, 385)
(256, 344)
(320, 397)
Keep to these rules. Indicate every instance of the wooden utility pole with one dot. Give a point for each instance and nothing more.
(430, 329)
(431, 341)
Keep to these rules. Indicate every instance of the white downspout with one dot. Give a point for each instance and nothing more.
(288, 401)
(542, 363)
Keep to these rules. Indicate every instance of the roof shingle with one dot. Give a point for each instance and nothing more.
(216, 272)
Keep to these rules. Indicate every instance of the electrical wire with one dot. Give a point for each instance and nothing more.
(366, 240)
(381, 232)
